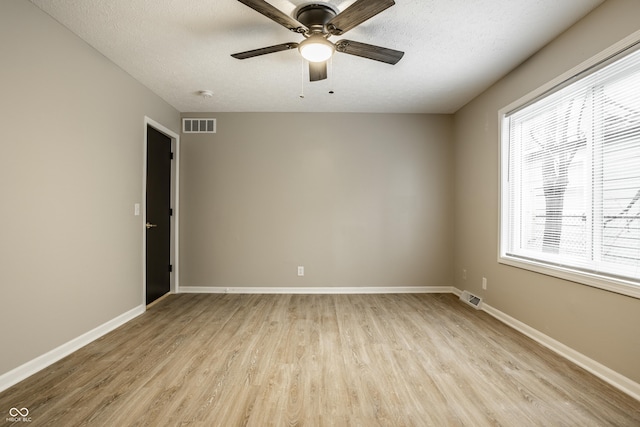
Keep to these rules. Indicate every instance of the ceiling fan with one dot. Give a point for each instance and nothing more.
(319, 21)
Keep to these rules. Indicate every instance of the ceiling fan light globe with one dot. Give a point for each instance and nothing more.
(316, 50)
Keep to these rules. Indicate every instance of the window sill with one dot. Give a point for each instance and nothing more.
(619, 286)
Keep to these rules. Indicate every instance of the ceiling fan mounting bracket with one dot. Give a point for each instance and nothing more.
(341, 46)
(332, 29)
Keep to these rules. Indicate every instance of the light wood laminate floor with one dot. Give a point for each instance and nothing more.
(317, 360)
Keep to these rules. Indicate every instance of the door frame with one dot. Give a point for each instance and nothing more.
(175, 198)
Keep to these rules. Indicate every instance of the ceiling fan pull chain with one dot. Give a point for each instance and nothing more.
(331, 80)
(302, 61)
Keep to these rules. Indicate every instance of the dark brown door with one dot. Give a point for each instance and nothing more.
(158, 210)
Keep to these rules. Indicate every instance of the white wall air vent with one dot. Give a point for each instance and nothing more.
(472, 300)
(199, 125)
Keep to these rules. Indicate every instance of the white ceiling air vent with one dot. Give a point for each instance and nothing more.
(198, 125)
(472, 300)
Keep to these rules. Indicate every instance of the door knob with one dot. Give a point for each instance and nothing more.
(149, 225)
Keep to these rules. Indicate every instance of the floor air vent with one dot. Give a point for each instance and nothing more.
(472, 300)
(199, 125)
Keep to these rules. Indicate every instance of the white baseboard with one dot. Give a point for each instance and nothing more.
(457, 292)
(606, 374)
(22, 372)
(317, 290)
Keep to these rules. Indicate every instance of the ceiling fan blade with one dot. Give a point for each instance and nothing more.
(369, 51)
(317, 71)
(265, 50)
(276, 15)
(356, 14)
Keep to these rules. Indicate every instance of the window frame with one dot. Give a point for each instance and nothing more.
(606, 282)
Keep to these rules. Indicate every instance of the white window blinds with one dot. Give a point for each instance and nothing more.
(572, 182)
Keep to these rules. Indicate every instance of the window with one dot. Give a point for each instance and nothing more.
(570, 182)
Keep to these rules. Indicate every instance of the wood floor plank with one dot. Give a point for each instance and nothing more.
(317, 360)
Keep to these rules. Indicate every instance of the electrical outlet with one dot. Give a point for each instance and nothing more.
(484, 283)
(300, 270)
(464, 274)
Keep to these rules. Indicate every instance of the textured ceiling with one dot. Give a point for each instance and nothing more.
(454, 50)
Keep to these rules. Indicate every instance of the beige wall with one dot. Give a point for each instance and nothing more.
(358, 199)
(599, 324)
(70, 171)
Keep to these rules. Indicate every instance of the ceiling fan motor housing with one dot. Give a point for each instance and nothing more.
(315, 16)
